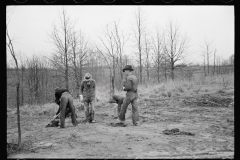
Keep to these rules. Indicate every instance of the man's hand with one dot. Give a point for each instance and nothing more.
(57, 102)
(123, 88)
(80, 98)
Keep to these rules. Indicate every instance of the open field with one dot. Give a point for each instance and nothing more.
(203, 107)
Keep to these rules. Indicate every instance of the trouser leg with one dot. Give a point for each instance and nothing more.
(119, 101)
(72, 109)
(92, 110)
(67, 111)
(86, 109)
(135, 113)
(124, 106)
(63, 105)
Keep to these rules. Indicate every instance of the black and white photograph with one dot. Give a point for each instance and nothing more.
(120, 81)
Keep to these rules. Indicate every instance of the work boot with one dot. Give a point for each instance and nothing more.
(112, 101)
(119, 121)
(74, 125)
(59, 127)
(93, 121)
(137, 124)
(91, 117)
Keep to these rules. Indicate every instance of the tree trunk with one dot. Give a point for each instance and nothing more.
(148, 75)
(66, 53)
(80, 71)
(140, 69)
(204, 67)
(111, 85)
(172, 69)
(18, 115)
(214, 65)
(22, 95)
(113, 76)
(77, 83)
(66, 77)
(165, 69)
(92, 60)
(208, 65)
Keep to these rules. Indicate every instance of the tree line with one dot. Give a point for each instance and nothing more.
(157, 58)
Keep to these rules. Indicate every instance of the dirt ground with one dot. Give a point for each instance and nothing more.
(209, 116)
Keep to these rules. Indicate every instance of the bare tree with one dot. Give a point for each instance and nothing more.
(231, 59)
(157, 49)
(61, 38)
(207, 52)
(78, 53)
(219, 65)
(204, 63)
(126, 60)
(12, 52)
(165, 66)
(33, 79)
(175, 46)
(138, 34)
(214, 61)
(45, 80)
(109, 66)
(147, 49)
(120, 41)
(109, 54)
(23, 70)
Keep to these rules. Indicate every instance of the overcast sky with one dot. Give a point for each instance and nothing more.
(29, 25)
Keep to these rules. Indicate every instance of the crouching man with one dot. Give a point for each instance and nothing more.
(65, 101)
(119, 100)
(130, 85)
(88, 91)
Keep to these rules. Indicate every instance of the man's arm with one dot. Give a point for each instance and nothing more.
(81, 88)
(57, 99)
(94, 84)
(128, 84)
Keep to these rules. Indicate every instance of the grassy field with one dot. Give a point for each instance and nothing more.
(202, 106)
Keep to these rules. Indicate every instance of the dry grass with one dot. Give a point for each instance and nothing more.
(170, 88)
(37, 110)
(198, 84)
(167, 90)
(187, 87)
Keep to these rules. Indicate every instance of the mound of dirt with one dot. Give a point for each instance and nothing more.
(54, 123)
(208, 100)
(117, 125)
(176, 131)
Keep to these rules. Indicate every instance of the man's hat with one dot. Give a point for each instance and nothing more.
(128, 67)
(56, 89)
(87, 76)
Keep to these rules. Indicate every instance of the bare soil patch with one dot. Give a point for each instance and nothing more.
(208, 116)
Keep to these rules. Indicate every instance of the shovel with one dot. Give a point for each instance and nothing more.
(52, 119)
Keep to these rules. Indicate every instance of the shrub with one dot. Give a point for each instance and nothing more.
(169, 94)
(180, 89)
(164, 94)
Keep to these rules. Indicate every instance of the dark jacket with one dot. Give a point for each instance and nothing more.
(88, 89)
(130, 83)
(58, 95)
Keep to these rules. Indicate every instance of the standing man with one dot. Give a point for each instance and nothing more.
(88, 91)
(130, 85)
(65, 100)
